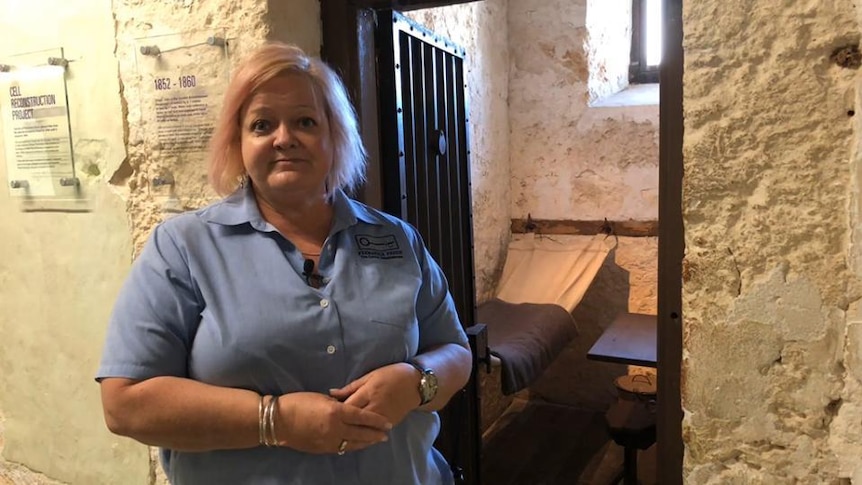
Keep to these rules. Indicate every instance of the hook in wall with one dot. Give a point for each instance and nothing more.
(58, 61)
(530, 226)
(150, 50)
(606, 228)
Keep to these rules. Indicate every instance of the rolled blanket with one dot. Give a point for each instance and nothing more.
(526, 337)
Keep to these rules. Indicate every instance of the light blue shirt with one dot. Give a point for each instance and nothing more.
(217, 296)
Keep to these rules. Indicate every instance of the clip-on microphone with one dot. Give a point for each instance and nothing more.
(311, 279)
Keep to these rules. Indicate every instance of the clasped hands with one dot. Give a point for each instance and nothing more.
(360, 413)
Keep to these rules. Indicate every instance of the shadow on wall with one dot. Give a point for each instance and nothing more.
(572, 380)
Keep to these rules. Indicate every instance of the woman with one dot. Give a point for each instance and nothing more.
(285, 334)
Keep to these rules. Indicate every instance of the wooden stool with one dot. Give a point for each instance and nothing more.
(631, 422)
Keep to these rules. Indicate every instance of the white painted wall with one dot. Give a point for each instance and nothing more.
(59, 268)
(62, 270)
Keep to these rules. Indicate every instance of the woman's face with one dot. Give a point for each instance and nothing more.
(285, 138)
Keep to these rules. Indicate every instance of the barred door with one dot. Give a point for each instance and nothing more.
(424, 159)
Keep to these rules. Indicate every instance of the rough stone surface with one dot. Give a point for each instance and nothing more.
(139, 22)
(570, 161)
(767, 391)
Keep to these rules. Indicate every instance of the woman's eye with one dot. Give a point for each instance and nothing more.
(260, 126)
(307, 122)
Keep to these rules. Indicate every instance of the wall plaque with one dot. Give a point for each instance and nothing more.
(182, 80)
(36, 134)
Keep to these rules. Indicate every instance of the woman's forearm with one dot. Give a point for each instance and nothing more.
(181, 414)
(452, 364)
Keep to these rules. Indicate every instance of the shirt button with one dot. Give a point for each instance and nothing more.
(324, 303)
(330, 349)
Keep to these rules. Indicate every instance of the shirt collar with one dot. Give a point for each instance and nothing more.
(238, 208)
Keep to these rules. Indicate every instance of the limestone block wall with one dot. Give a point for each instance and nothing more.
(480, 28)
(771, 366)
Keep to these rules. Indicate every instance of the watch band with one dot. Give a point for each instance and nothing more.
(416, 366)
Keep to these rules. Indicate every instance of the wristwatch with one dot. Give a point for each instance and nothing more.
(427, 383)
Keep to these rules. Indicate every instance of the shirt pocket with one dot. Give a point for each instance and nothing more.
(390, 320)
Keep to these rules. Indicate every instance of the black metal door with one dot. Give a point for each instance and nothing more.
(424, 158)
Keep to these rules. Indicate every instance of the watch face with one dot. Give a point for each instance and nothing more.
(428, 386)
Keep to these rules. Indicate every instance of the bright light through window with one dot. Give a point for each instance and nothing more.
(653, 30)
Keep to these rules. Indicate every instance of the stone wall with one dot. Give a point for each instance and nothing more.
(570, 161)
(184, 26)
(771, 366)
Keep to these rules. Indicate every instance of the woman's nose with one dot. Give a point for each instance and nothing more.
(284, 137)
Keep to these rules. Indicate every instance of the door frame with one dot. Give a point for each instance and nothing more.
(349, 47)
(671, 250)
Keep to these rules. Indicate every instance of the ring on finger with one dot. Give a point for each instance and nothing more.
(342, 447)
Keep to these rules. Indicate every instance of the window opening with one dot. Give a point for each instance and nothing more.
(646, 41)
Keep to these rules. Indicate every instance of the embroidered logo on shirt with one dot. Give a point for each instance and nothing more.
(378, 247)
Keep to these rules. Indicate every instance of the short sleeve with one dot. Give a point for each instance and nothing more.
(155, 317)
(438, 319)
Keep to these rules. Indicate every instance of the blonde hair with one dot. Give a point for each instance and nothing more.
(273, 59)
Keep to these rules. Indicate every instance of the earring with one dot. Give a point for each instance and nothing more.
(242, 179)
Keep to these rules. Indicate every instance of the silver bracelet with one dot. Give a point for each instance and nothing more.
(261, 423)
(273, 412)
(267, 412)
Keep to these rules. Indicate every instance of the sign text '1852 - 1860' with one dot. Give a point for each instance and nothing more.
(180, 82)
